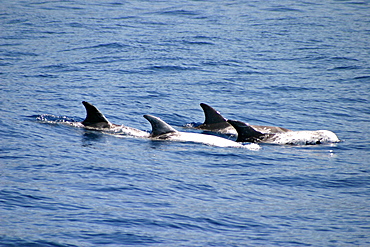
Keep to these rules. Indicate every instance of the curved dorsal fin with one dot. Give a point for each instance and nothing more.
(159, 127)
(94, 118)
(211, 115)
(246, 133)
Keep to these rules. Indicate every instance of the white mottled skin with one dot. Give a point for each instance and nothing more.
(204, 139)
(304, 137)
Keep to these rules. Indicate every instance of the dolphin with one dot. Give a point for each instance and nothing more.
(163, 131)
(96, 120)
(248, 133)
(215, 122)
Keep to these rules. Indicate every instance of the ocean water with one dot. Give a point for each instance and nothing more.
(302, 65)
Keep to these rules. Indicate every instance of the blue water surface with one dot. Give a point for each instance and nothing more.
(302, 65)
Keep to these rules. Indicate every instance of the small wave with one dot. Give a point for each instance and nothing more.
(252, 146)
(198, 43)
(289, 88)
(10, 241)
(61, 68)
(283, 9)
(120, 238)
(344, 58)
(362, 77)
(114, 45)
(191, 125)
(179, 12)
(45, 75)
(169, 68)
(110, 45)
(344, 68)
(20, 54)
(317, 182)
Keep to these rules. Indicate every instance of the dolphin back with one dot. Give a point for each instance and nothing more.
(159, 127)
(246, 133)
(94, 118)
(211, 115)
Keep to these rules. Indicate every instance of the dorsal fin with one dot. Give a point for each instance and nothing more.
(246, 133)
(211, 115)
(94, 118)
(159, 127)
